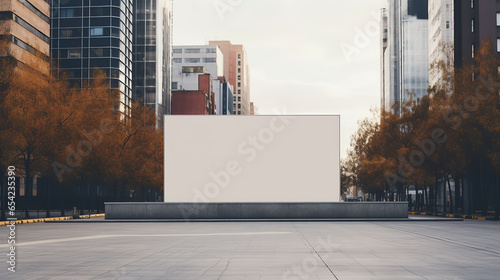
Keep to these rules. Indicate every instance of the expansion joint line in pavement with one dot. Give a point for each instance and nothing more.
(227, 265)
(319, 256)
(445, 240)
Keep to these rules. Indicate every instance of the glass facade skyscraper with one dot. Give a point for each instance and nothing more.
(86, 34)
(152, 49)
(405, 54)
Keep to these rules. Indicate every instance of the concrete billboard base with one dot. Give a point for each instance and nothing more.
(249, 211)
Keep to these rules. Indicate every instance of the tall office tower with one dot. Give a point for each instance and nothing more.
(152, 48)
(406, 56)
(210, 58)
(475, 21)
(463, 25)
(441, 37)
(384, 67)
(95, 34)
(237, 72)
(25, 27)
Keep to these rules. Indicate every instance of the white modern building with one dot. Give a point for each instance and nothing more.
(405, 55)
(212, 60)
(441, 36)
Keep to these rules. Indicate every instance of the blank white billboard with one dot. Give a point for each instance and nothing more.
(252, 158)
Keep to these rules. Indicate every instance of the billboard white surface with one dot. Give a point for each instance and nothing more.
(252, 158)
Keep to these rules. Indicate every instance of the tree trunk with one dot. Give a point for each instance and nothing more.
(449, 191)
(82, 197)
(434, 199)
(457, 192)
(483, 191)
(436, 186)
(61, 188)
(466, 198)
(28, 187)
(497, 200)
(445, 200)
(427, 197)
(47, 187)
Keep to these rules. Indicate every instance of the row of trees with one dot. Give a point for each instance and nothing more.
(451, 137)
(74, 137)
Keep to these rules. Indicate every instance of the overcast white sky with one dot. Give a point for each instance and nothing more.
(295, 52)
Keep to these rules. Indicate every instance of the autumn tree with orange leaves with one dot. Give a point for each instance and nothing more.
(449, 137)
(72, 139)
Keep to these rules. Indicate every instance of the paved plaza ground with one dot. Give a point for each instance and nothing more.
(255, 250)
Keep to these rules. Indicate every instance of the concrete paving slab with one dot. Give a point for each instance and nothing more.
(467, 249)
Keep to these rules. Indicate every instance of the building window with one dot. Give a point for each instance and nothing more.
(174, 85)
(97, 52)
(239, 63)
(210, 60)
(26, 25)
(234, 99)
(472, 25)
(239, 112)
(193, 50)
(239, 70)
(192, 60)
(35, 10)
(177, 50)
(177, 60)
(472, 4)
(239, 91)
(239, 84)
(498, 45)
(473, 50)
(447, 25)
(66, 13)
(239, 56)
(69, 33)
(239, 77)
(498, 19)
(74, 53)
(239, 106)
(211, 50)
(96, 31)
(239, 98)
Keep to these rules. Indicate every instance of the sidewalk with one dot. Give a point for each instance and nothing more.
(42, 220)
(473, 217)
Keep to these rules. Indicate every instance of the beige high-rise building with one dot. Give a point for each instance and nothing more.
(25, 32)
(237, 72)
(441, 36)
